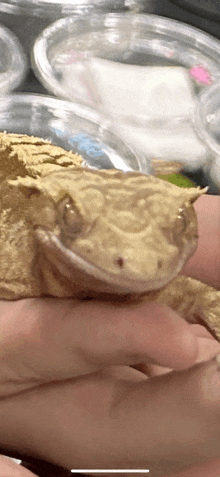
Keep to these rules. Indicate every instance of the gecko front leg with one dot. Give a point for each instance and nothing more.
(196, 302)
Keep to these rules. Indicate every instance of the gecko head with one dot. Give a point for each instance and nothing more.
(111, 231)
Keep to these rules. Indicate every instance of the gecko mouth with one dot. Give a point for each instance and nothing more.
(79, 270)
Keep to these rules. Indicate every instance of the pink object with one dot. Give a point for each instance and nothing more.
(74, 56)
(200, 75)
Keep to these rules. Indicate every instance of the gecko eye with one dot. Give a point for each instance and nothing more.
(69, 217)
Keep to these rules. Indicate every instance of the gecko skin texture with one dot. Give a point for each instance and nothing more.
(69, 231)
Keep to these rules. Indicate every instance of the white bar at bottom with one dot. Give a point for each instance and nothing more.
(110, 471)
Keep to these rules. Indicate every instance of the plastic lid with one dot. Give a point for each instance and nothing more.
(56, 8)
(65, 46)
(208, 117)
(67, 125)
(68, 52)
(13, 63)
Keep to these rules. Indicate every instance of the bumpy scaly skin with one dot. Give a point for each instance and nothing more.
(79, 232)
(22, 155)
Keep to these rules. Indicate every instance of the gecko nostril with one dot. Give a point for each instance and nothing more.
(32, 191)
(120, 262)
(159, 264)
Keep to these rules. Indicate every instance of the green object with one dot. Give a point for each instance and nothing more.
(177, 179)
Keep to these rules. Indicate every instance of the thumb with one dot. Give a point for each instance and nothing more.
(172, 422)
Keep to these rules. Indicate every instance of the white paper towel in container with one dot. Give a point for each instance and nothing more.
(153, 108)
(179, 143)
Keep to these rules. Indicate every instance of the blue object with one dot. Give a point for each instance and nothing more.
(96, 154)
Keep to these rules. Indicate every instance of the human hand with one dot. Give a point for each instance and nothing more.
(205, 263)
(8, 468)
(115, 414)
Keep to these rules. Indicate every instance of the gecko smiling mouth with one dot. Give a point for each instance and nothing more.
(81, 271)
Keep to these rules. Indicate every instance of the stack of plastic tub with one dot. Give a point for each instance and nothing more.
(13, 64)
(27, 18)
(144, 73)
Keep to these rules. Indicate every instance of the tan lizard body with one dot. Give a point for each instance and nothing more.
(75, 232)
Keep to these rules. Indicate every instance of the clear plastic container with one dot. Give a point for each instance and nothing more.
(111, 62)
(129, 39)
(208, 126)
(27, 18)
(13, 64)
(208, 117)
(67, 125)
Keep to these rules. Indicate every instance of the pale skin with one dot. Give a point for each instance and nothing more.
(112, 418)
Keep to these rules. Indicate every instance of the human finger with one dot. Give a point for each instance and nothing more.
(43, 340)
(208, 349)
(165, 424)
(210, 469)
(205, 263)
(8, 468)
